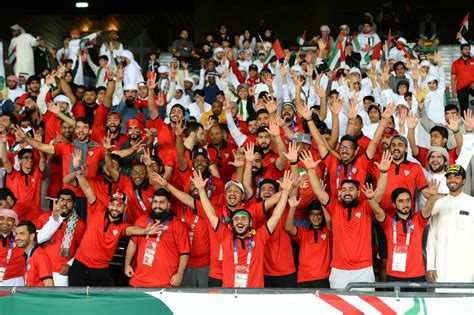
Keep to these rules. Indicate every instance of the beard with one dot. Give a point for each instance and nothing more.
(350, 204)
(159, 216)
(114, 216)
(241, 233)
(67, 214)
(438, 169)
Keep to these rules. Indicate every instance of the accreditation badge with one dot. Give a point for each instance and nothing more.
(399, 261)
(241, 276)
(149, 254)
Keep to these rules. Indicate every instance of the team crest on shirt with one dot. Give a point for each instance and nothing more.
(150, 199)
(226, 155)
(212, 187)
(354, 170)
(91, 153)
(115, 232)
(407, 172)
(323, 236)
(358, 215)
(32, 180)
(272, 160)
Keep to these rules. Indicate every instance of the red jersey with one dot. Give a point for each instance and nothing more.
(198, 235)
(27, 211)
(221, 158)
(102, 188)
(52, 126)
(38, 268)
(26, 187)
(355, 170)
(165, 134)
(52, 247)
(169, 246)
(94, 156)
(139, 199)
(363, 143)
(352, 233)
(254, 246)
(415, 266)
(78, 109)
(315, 253)
(406, 174)
(15, 265)
(464, 71)
(422, 157)
(101, 238)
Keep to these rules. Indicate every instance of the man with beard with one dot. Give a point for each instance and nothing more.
(91, 156)
(242, 248)
(38, 266)
(220, 152)
(450, 254)
(462, 82)
(348, 165)
(291, 123)
(402, 173)
(161, 261)
(60, 232)
(13, 90)
(404, 232)
(105, 227)
(127, 107)
(134, 133)
(351, 218)
(12, 259)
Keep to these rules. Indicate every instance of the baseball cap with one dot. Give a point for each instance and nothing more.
(201, 151)
(456, 170)
(120, 197)
(234, 182)
(240, 211)
(389, 132)
(242, 86)
(401, 138)
(293, 107)
(253, 67)
(142, 84)
(301, 137)
(163, 69)
(130, 87)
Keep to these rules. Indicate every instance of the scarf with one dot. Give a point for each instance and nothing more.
(68, 234)
(84, 147)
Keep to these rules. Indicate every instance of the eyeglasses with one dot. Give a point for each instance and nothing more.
(346, 147)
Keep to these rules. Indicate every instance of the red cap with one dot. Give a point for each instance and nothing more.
(389, 132)
(133, 122)
(119, 196)
(114, 114)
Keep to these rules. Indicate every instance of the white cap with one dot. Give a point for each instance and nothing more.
(218, 50)
(130, 87)
(402, 40)
(355, 70)
(163, 69)
(425, 63)
(179, 87)
(127, 54)
(189, 79)
(401, 101)
(62, 98)
(431, 77)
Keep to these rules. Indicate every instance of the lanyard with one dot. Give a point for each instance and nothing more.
(140, 201)
(338, 179)
(9, 253)
(395, 231)
(249, 253)
(158, 235)
(293, 126)
(259, 180)
(196, 219)
(209, 185)
(28, 255)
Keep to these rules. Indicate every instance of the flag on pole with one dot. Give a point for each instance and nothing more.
(406, 49)
(465, 23)
(301, 39)
(339, 39)
(376, 51)
(336, 54)
(355, 42)
(269, 56)
(278, 50)
(387, 44)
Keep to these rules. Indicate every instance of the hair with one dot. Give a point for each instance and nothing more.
(398, 63)
(251, 118)
(13, 118)
(26, 118)
(369, 97)
(90, 89)
(5, 193)
(443, 131)
(30, 227)
(117, 158)
(199, 92)
(367, 22)
(269, 181)
(84, 120)
(104, 57)
(333, 92)
(398, 191)
(261, 111)
(219, 93)
(23, 152)
(359, 119)
(315, 205)
(261, 130)
(351, 139)
(465, 45)
(67, 192)
(351, 181)
(258, 149)
(451, 107)
(192, 127)
(100, 88)
(162, 193)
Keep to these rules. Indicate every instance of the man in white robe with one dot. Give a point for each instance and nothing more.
(21, 49)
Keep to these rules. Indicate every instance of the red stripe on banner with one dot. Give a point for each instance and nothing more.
(339, 303)
(378, 304)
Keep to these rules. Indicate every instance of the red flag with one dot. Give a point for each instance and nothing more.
(404, 49)
(341, 50)
(376, 52)
(465, 23)
(278, 50)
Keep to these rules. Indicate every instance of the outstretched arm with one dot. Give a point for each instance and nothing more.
(158, 181)
(289, 226)
(311, 165)
(201, 185)
(286, 186)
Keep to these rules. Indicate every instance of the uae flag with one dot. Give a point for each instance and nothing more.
(465, 23)
(387, 45)
(301, 39)
(409, 53)
(355, 42)
(276, 51)
(336, 54)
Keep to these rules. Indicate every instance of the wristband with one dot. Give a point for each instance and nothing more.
(294, 163)
(456, 132)
(308, 120)
(383, 172)
(76, 169)
(370, 198)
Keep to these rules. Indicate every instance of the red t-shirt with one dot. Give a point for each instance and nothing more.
(101, 238)
(52, 247)
(352, 246)
(78, 109)
(356, 170)
(26, 187)
(173, 243)
(464, 71)
(255, 273)
(103, 189)
(422, 156)
(38, 268)
(363, 142)
(52, 126)
(139, 200)
(165, 135)
(408, 175)
(415, 266)
(198, 231)
(315, 253)
(27, 211)
(16, 264)
(94, 156)
(221, 158)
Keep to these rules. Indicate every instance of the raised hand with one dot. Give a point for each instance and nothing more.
(76, 158)
(368, 191)
(468, 120)
(304, 111)
(293, 201)
(37, 136)
(56, 210)
(146, 157)
(388, 112)
(178, 127)
(453, 123)
(271, 104)
(308, 160)
(412, 120)
(239, 159)
(292, 154)
(161, 101)
(249, 152)
(157, 178)
(286, 182)
(107, 142)
(209, 123)
(151, 82)
(53, 108)
(139, 146)
(198, 181)
(50, 78)
(385, 162)
(320, 91)
(19, 133)
(433, 187)
(109, 74)
(402, 116)
(273, 128)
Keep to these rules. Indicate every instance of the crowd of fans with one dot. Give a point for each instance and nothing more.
(239, 164)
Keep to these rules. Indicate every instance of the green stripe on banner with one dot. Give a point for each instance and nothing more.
(72, 304)
(415, 308)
